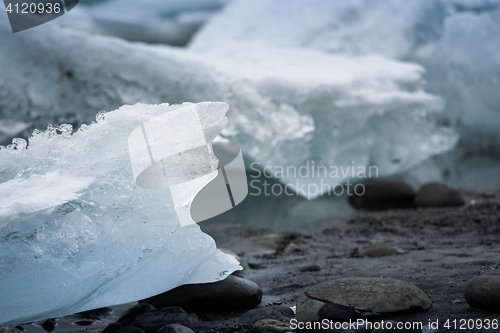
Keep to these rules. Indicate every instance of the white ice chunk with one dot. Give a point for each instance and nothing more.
(464, 67)
(390, 28)
(291, 107)
(21, 196)
(457, 41)
(317, 111)
(77, 233)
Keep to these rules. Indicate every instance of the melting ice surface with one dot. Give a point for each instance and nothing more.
(291, 107)
(76, 232)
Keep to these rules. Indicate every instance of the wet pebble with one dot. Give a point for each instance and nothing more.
(278, 312)
(377, 250)
(49, 325)
(437, 195)
(310, 268)
(384, 195)
(153, 320)
(231, 293)
(483, 292)
(349, 298)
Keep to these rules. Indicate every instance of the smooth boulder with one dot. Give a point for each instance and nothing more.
(384, 195)
(377, 250)
(356, 297)
(153, 320)
(230, 293)
(437, 195)
(483, 292)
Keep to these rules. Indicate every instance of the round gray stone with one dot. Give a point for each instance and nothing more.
(230, 293)
(483, 292)
(383, 195)
(278, 312)
(353, 297)
(153, 320)
(377, 250)
(437, 195)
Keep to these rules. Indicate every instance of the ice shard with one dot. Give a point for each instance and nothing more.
(77, 232)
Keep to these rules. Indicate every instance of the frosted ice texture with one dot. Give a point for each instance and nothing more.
(457, 41)
(291, 107)
(77, 233)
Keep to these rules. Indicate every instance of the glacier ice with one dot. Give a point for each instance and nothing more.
(464, 67)
(291, 106)
(457, 42)
(389, 28)
(76, 232)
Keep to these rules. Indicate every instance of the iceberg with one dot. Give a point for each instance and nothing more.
(291, 107)
(76, 231)
(390, 28)
(456, 41)
(311, 110)
(464, 67)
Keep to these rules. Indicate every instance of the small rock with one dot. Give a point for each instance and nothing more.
(270, 326)
(483, 292)
(231, 293)
(153, 320)
(437, 195)
(49, 325)
(128, 316)
(278, 312)
(350, 298)
(377, 250)
(310, 268)
(9, 329)
(384, 195)
(175, 328)
(292, 248)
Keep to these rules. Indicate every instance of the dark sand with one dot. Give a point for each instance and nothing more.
(444, 248)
